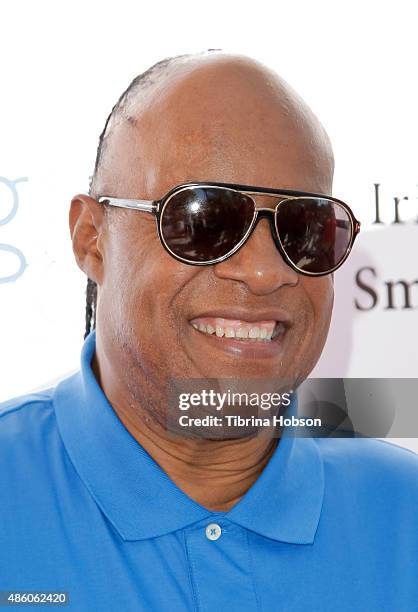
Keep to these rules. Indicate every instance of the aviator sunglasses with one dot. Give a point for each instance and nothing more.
(206, 223)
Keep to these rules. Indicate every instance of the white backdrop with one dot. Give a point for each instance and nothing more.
(354, 63)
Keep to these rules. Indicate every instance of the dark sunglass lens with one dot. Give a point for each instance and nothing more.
(202, 224)
(315, 233)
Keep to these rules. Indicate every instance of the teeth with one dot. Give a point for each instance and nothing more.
(264, 332)
(242, 332)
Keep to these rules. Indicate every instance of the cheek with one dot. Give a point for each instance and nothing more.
(313, 324)
(142, 283)
(320, 292)
(323, 301)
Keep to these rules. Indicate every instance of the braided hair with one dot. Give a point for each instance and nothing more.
(91, 300)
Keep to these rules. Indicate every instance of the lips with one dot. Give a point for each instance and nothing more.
(240, 326)
(248, 315)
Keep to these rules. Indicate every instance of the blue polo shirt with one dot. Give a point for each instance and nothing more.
(330, 525)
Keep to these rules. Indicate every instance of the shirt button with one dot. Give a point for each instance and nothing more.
(213, 531)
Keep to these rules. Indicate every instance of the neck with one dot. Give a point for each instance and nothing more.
(214, 473)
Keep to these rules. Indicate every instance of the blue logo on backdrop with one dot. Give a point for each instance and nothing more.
(8, 248)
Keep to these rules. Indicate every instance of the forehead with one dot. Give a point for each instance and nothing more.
(224, 120)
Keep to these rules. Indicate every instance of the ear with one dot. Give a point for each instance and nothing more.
(86, 218)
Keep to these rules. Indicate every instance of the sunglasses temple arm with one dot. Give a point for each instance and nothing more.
(143, 205)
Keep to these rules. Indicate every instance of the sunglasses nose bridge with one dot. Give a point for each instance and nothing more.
(266, 213)
(269, 214)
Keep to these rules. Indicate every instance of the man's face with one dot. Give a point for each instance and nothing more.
(228, 123)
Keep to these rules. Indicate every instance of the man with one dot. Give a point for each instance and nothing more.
(103, 501)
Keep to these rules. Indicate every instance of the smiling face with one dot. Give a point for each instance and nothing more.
(227, 119)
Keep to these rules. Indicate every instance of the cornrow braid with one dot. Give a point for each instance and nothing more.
(91, 300)
(146, 78)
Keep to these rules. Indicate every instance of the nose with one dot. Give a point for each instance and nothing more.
(258, 264)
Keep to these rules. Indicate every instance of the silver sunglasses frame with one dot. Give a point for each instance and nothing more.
(157, 207)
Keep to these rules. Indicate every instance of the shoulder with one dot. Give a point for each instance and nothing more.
(34, 466)
(32, 453)
(370, 465)
(372, 450)
(27, 403)
(25, 416)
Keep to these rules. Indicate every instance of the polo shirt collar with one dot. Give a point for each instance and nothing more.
(139, 498)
